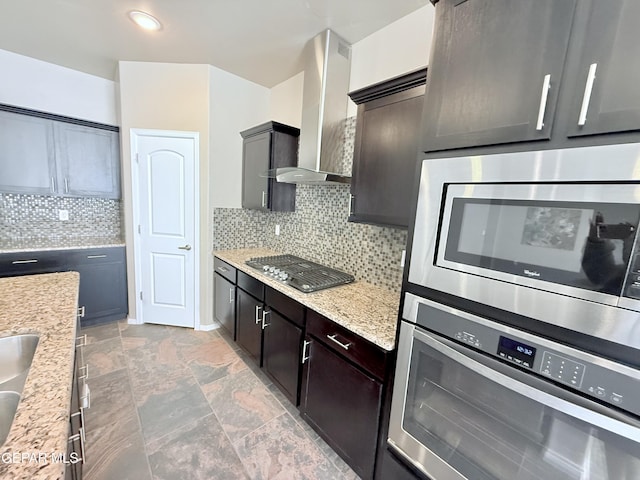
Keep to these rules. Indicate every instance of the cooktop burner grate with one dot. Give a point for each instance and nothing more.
(299, 273)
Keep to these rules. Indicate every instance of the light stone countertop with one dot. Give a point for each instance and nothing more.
(46, 305)
(42, 244)
(365, 309)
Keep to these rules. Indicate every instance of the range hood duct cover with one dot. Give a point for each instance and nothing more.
(321, 158)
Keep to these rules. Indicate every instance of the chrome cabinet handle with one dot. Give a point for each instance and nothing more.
(53, 185)
(231, 292)
(79, 436)
(96, 256)
(86, 372)
(335, 340)
(185, 247)
(264, 316)
(305, 356)
(223, 269)
(83, 341)
(85, 400)
(81, 312)
(351, 199)
(264, 201)
(546, 86)
(586, 99)
(258, 319)
(66, 185)
(20, 262)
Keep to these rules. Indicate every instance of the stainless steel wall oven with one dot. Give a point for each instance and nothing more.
(519, 345)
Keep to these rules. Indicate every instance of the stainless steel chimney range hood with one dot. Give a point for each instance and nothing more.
(324, 113)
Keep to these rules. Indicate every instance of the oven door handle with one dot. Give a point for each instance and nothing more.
(624, 429)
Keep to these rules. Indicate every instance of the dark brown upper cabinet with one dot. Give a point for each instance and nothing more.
(266, 147)
(606, 93)
(386, 149)
(495, 71)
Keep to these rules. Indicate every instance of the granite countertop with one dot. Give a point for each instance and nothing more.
(365, 309)
(46, 305)
(40, 244)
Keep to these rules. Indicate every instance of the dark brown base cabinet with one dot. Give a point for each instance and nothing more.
(249, 324)
(339, 399)
(224, 288)
(103, 277)
(282, 343)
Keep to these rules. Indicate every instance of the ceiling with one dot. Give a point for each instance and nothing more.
(260, 40)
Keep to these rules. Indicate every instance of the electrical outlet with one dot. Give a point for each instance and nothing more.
(404, 257)
(277, 229)
(63, 215)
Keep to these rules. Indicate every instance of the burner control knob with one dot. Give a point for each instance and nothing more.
(265, 268)
(271, 269)
(276, 272)
(283, 276)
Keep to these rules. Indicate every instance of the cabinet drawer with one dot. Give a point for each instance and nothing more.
(26, 263)
(343, 341)
(224, 269)
(285, 305)
(251, 285)
(92, 256)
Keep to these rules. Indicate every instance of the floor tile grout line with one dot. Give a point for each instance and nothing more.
(135, 406)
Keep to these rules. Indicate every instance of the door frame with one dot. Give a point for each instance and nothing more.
(135, 134)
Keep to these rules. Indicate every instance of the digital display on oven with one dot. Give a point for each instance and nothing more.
(517, 352)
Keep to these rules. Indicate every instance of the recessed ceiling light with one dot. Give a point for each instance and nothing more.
(145, 20)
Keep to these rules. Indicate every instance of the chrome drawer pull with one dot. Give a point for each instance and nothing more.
(264, 316)
(20, 262)
(86, 372)
(96, 256)
(231, 292)
(305, 356)
(85, 399)
(586, 98)
(81, 311)
(333, 339)
(546, 86)
(83, 341)
(223, 269)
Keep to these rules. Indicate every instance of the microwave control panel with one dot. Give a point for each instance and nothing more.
(594, 376)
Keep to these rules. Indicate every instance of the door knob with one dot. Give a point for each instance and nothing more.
(185, 247)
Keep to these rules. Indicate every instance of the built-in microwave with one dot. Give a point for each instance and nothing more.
(550, 235)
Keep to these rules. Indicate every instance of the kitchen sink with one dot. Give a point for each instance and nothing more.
(16, 354)
(8, 406)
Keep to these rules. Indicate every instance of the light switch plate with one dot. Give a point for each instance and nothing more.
(63, 215)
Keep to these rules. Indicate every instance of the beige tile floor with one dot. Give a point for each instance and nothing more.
(172, 403)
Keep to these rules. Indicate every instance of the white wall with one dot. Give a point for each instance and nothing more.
(236, 104)
(286, 101)
(30, 83)
(168, 97)
(398, 48)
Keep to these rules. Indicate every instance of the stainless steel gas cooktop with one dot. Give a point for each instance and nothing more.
(299, 273)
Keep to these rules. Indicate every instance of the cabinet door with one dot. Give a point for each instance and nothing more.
(491, 63)
(385, 158)
(103, 291)
(27, 161)
(88, 161)
(248, 324)
(607, 96)
(255, 162)
(225, 303)
(281, 353)
(342, 404)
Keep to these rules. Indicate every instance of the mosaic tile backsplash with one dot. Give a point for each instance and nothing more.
(26, 217)
(318, 230)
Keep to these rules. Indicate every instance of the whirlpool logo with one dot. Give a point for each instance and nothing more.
(531, 273)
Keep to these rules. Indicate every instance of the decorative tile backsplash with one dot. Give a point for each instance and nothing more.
(318, 230)
(24, 217)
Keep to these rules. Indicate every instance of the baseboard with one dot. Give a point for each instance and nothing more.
(208, 328)
(133, 321)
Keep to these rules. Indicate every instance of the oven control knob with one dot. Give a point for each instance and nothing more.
(271, 269)
(283, 276)
(276, 272)
(265, 268)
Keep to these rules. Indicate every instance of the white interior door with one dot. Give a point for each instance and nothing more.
(166, 228)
